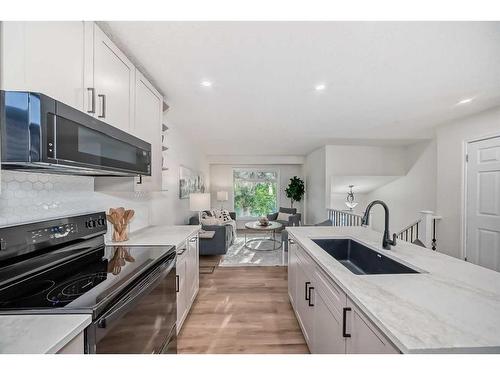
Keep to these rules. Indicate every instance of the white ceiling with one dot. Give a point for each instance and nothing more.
(386, 81)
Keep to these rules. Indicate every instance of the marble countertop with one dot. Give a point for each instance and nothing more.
(159, 235)
(451, 307)
(39, 334)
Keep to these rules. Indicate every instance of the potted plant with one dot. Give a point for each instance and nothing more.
(295, 190)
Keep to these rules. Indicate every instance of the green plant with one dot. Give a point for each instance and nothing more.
(295, 190)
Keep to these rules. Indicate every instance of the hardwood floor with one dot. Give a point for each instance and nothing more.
(242, 310)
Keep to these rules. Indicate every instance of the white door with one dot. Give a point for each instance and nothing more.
(483, 203)
(45, 57)
(114, 83)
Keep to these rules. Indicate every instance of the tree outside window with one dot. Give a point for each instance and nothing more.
(255, 192)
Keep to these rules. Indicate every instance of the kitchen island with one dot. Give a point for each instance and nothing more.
(450, 306)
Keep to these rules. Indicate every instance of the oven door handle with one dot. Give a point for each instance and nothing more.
(128, 302)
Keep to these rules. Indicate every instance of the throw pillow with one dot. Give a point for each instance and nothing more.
(283, 217)
(223, 216)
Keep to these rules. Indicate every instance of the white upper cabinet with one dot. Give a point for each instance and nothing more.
(114, 83)
(46, 57)
(147, 126)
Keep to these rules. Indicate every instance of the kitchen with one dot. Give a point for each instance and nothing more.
(99, 252)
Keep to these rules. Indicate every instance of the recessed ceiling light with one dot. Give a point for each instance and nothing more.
(206, 83)
(320, 87)
(465, 101)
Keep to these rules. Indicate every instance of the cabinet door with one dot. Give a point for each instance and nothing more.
(114, 83)
(303, 309)
(365, 337)
(292, 271)
(328, 301)
(46, 57)
(147, 126)
(192, 269)
(181, 289)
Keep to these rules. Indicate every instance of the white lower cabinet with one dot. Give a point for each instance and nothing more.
(330, 321)
(365, 337)
(187, 275)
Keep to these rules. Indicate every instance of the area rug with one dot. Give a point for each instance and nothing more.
(239, 255)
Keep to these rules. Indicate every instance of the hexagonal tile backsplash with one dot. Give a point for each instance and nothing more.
(36, 196)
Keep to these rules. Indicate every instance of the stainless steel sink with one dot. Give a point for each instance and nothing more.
(359, 259)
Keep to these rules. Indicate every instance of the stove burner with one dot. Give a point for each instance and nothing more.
(29, 290)
(73, 289)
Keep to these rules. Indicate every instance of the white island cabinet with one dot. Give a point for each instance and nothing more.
(330, 321)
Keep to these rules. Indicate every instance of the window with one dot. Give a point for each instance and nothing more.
(255, 192)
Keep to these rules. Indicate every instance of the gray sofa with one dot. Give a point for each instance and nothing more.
(220, 242)
(293, 220)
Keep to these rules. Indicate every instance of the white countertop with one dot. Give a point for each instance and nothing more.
(39, 334)
(453, 307)
(159, 235)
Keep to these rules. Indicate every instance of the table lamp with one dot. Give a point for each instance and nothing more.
(222, 196)
(199, 202)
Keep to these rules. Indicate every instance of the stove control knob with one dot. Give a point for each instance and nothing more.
(101, 222)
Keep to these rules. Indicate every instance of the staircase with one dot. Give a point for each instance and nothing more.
(422, 232)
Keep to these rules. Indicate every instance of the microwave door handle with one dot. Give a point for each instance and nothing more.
(128, 302)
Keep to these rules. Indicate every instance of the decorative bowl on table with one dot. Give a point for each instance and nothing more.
(263, 221)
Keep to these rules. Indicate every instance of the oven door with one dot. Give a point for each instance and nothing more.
(143, 321)
(78, 140)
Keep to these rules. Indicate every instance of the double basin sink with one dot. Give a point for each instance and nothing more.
(359, 259)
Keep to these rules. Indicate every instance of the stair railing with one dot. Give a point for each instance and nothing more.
(344, 218)
(410, 233)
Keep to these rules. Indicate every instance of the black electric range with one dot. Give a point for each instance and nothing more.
(63, 266)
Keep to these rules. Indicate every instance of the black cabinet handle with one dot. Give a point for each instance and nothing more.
(177, 283)
(344, 322)
(310, 302)
(306, 290)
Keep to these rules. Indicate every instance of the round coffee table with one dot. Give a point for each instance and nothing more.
(271, 228)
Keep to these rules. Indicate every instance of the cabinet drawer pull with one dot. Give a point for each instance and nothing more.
(91, 91)
(306, 290)
(177, 283)
(310, 302)
(103, 105)
(344, 322)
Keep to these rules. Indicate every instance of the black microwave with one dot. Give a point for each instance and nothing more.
(41, 134)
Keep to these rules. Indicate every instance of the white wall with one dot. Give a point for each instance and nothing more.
(451, 140)
(315, 179)
(167, 208)
(221, 179)
(410, 194)
(349, 160)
